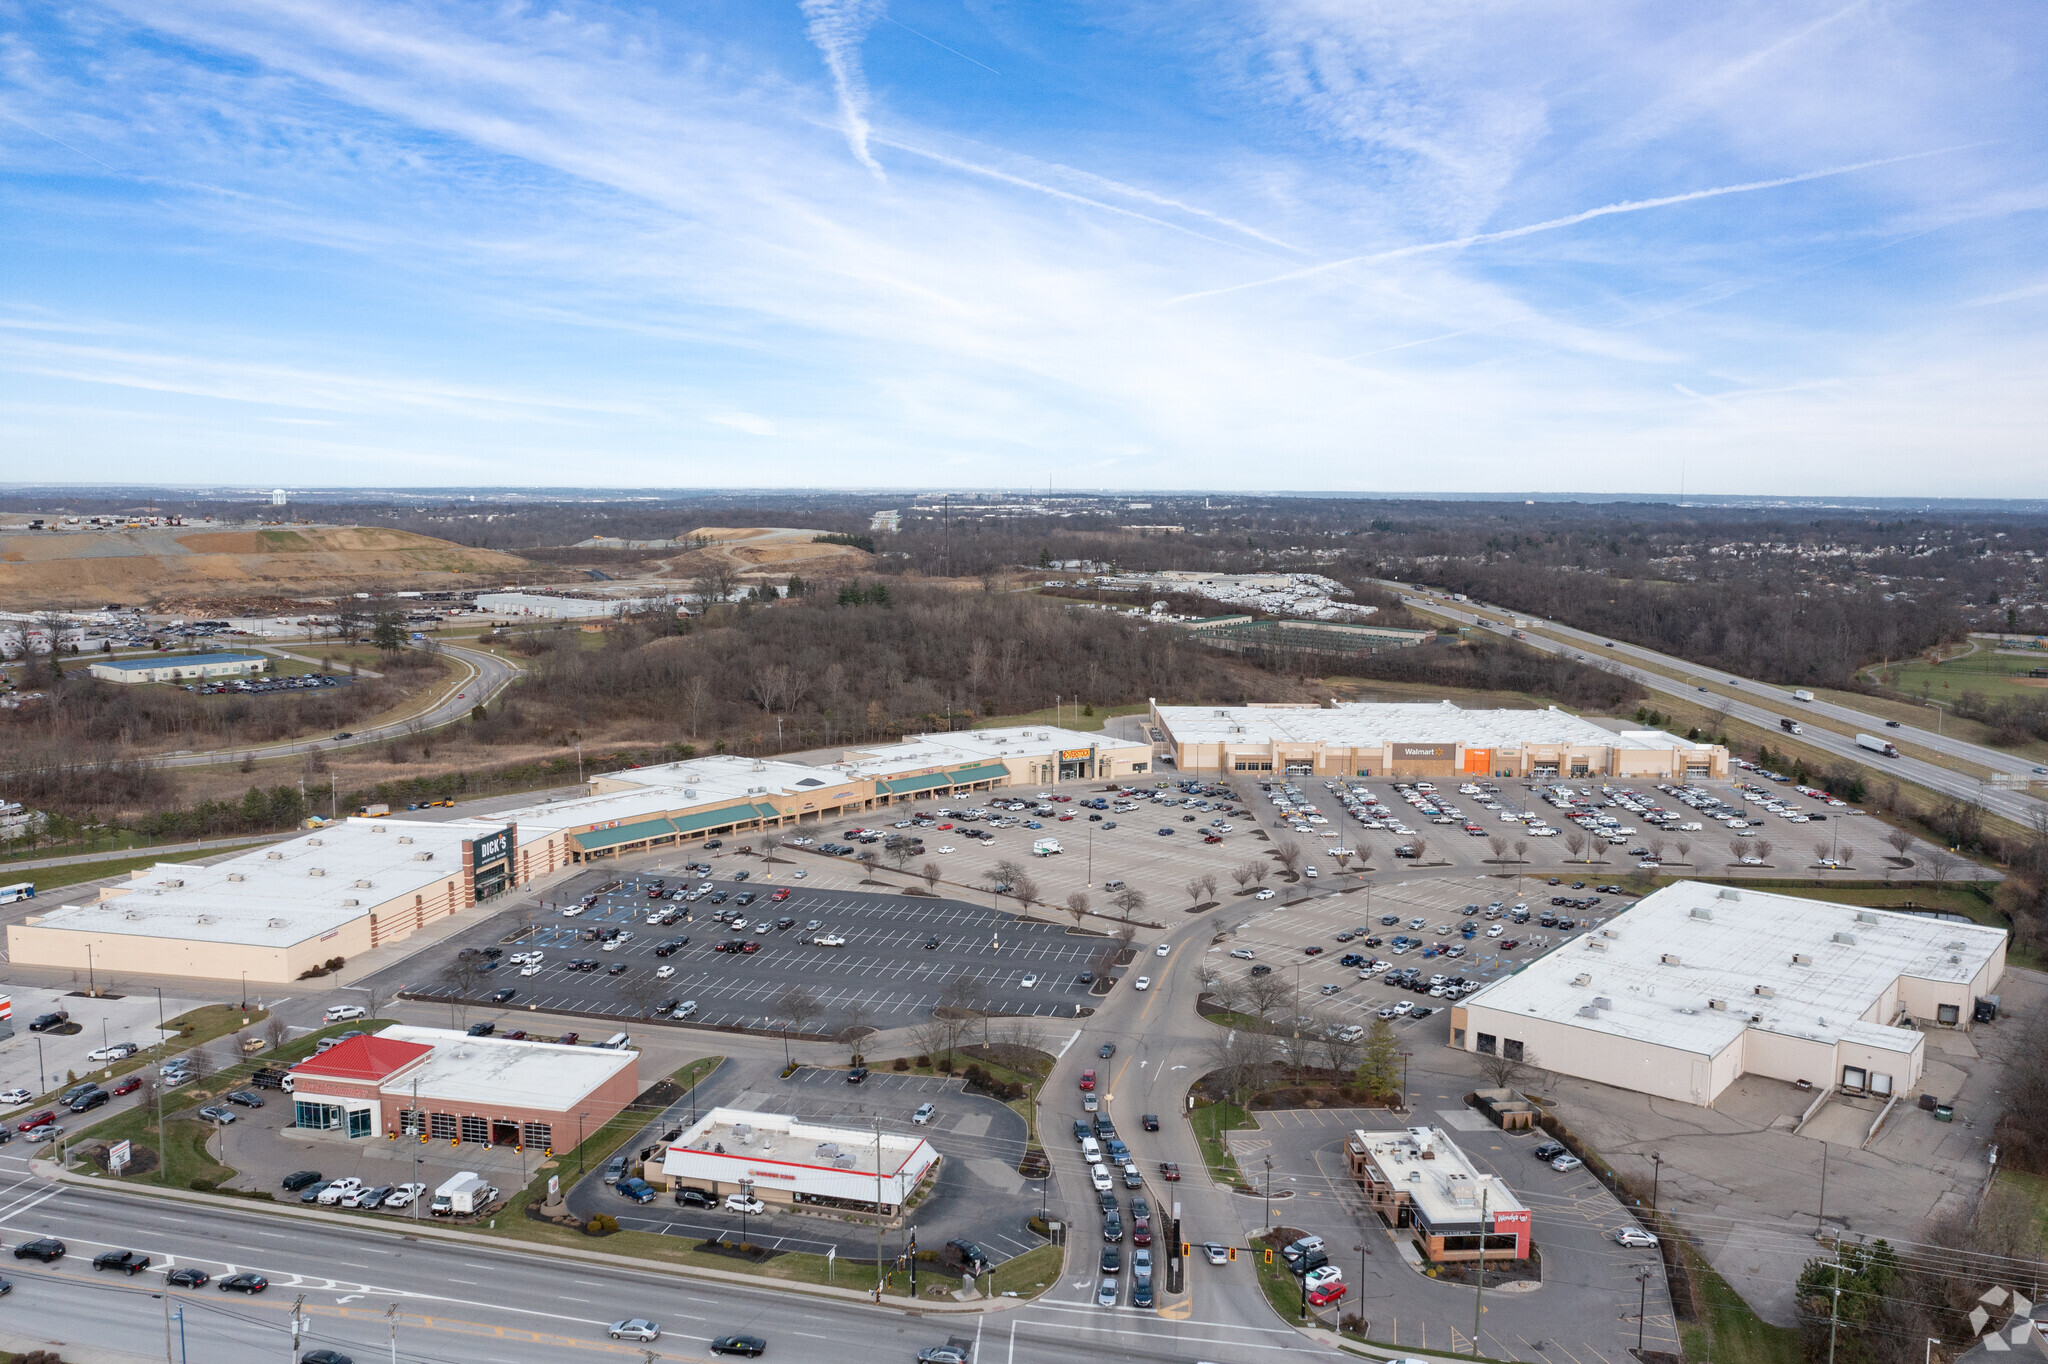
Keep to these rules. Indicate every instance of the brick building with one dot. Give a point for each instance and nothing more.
(449, 1086)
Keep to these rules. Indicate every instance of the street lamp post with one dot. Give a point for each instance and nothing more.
(1642, 1306)
(1269, 1193)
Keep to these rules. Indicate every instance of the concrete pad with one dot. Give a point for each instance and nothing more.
(1465, 1119)
(1839, 1124)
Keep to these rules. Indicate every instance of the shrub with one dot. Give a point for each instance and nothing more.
(900, 1063)
(924, 1062)
(603, 1224)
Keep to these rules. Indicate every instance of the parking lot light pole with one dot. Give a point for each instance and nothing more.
(1642, 1306)
(1656, 1174)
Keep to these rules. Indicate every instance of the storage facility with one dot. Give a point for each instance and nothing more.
(447, 1086)
(178, 667)
(786, 1161)
(1418, 740)
(1695, 985)
(1418, 1178)
(275, 912)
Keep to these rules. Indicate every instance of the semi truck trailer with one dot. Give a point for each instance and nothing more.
(1877, 745)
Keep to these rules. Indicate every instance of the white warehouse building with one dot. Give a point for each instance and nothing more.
(1697, 985)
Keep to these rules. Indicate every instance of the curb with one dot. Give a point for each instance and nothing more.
(425, 1231)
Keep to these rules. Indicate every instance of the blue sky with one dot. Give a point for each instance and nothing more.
(1287, 244)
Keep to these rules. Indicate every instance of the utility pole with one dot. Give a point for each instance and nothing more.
(1835, 1302)
(298, 1324)
(878, 1211)
(1269, 1193)
(1642, 1306)
(1479, 1298)
(166, 1296)
(391, 1319)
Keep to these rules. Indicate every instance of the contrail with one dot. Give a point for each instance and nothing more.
(837, 27)
(941, 46)
(1572, 220)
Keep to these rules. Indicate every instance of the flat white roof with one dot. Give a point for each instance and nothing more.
(1372, 724)
(1010, 743)
(279, 895)
(494, 1070)
(779, 1151)
(1431, 1169)
(1825, 967)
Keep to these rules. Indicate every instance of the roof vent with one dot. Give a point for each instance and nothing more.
(1730, 893)
(316, 871)
(275, 923)
(1610, 933)
(689, 793)
(362, 885)
(1582, 979)
(1864, 916)
(1720, 1004)
(423, 857)
(312, 842)
(132, 915)
(1846, 939)
(236, 876)
(350, 903)
(405, 838)
(1602, 1002)
(377, 829)
(273, 857)
(1669, 959)
(1588, 1011)
(1766, 991)
(1957, 946)
(1801, 959)
(1595, 945)
(1685, 1010)
(1702, 912)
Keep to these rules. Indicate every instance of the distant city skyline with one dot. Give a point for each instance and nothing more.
(1784, 250)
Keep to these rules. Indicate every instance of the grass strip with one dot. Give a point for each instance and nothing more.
(1210, 1122)
(1731, 1333)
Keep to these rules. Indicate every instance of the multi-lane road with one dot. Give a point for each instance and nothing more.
(1773, 704)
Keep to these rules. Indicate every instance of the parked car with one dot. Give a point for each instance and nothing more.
(1635, 1238)
(188, 1276)
(299, 1179)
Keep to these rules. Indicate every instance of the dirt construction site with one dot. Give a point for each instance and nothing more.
(762, 552)
(89, 568)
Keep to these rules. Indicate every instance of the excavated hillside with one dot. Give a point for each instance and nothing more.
(143, 567)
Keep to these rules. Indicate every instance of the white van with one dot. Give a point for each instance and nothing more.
(1091, 1150)
(337, 1013)
(618, 1041)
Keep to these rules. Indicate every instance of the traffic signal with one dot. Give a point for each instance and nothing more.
(1185, 1250)
(1233, 1255)
(1269, 1256)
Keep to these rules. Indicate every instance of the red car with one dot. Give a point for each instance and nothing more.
(782, 894)
(1087, 1082)
(1312, 951)
(127, 1086)
(1327, 1294)
(749, 947)
(35, 1120)
(1511, 944)
(1169, 1171)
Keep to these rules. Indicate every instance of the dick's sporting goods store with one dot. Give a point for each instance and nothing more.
(490, 861)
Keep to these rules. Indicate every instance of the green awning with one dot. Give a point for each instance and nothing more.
(625, 833)
(713, 819)
(766, 811)
(979, 772)
(903, 786)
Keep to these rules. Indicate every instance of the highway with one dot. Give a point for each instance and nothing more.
(1774, 704)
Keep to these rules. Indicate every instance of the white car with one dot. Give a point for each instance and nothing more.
(532, 968)
(1142, 983)
(1098, 1174)
(799, 873)
(1263, 895)
(1029, 982)
(573, 911)
(16, 1096)
(404, 1196)
(1323, 1274)
(1403, 1008)
(611, 946)
(338, 1190)
(1243, 953)
(945, 847)
(1635, 1238)
(1494, 930)
(1161, 950)
(664, 972)
(829, 940)
(753, 1207)
(117, 1052)
(924, 1113)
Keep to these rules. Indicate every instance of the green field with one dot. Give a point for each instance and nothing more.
(47, 879)
(1986, 672)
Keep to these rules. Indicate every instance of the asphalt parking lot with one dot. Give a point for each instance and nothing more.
(884, 969)
(1278, 934)
(1587, 1308)
(978, 1195)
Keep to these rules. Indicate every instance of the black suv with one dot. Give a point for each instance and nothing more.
(299, 1179)
(90, 1100)
(45, 1248)
(694, 1198)
(45, 1022)
(969, 1253)
(1549, 1150)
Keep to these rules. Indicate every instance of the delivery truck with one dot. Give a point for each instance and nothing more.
(1802, 696)
(1789, 726)
(1877, 745)
(463, 1196)
(374, 811)
(1046, 847)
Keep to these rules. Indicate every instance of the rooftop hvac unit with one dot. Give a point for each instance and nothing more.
(1610, 933)
(1957, 946)
(1864, 916)
(362, 885)
(273, 857)
(275, 923)
(1669, 959)
(1415, 1176)
(1720, 1004)
(1588, 1011)
(1595, 945)
(1730, 893)
(1702, 912)
(844, 1162)
(236, 876)
(1846, 939)
(1801, 959)
(378, 829)
(205, 919)
(174, 882)
(350, 904)
(316, 871)
(132, 915)
(1582, 980)
(423, 857)
(405, 838)
(1602, 1002)
(1766, 991)
(312, 842)
(689, 793)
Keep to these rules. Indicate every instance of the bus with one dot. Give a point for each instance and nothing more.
(20, 890)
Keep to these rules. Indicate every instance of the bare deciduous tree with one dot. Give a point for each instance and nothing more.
(1421, 846)
(797, 1008)
(1574, 842)
(1738, 848)
(1521, 851)
(856, 1024)
(1241, 1060)
(1941, 865)
(1194, 890)
(1343, 1054)
(1209, 884)
(1242, 873)
(1764, 848)
(933, 1039)
(1129, 901)
(1077, 905)
(1260, 871)
(1685, 850)
(1298, 1043)
(770, 844)
(1499, 846)
(1657, 849)
(868, 860)
(931, 875)
(1506, 1072)
(1265, 995)
(1900, 840)
(1820, 850)
(1288, 853)
(1024, 889)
